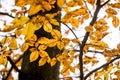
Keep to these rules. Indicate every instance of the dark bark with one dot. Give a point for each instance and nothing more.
(31, 70)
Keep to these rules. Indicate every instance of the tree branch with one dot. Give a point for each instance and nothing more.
(104, 65)
(12, 66)
(88, 8)
(86, 38)
(6, 14)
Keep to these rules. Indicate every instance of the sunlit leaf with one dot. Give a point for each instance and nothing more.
(53, 61)
(34, 55)
(42, 61)
(25, 47)
(91, 2)
(43, 40)
(13, 43)
(20, 3)
(3, 60)
(56, 34)
(89, 28)
(42, 47)
(60, 3)
(60, 45)
(54, 22)
(43, 53)
(115, 21)
(28, 30)
(46, 5)
(34, 9)
(118, 46)
(52, 43)
(47, 26)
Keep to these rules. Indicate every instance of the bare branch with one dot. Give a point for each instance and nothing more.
(12, 66)
(3, 13)
(105, 3)
(88, 8)
(104, 65)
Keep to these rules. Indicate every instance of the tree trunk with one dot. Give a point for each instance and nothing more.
(31, 70)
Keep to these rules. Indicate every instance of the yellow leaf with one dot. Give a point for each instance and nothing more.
(60, 45)
(60, 3)
(111, 11)
(20, 21)
(20, 3)
(18, 32)
(46, 5)
(76, 41)
(34, 9)
(65, 41)
(115, 21)
(42, 47)
(13, 43)
(43, 40)
(116, 5)
(89, 28)
(5, 40)
(42, 61)
(38, 26)
(24, 47)
(54, 22)
(91, 2)
(34, 55)
(74, 22)
(3, 60)
(56, 34)
(118, 46)
(47, 26)
(43, 54)
(28, 30)
(52, 43)
(53, 61)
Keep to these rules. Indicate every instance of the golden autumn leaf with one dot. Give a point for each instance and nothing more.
(118, 46)
(25, 47)
(3, 60)
(20, 3)
(56, 34)
(42, 47)
(5, 40)
(47, 26)
(13, 43)
(54, 22)
(60, 3)
(65, 41)
(76, 41)
(19, 22)
(115, 21)
(60, 45)
(43, 54)
(34, 9)
(91, 2)
(43, 40)
(28, 30)
(42, 61)
(53, 61)
(52, 43)
(89, 28)
(34, 55)
(46, 5)
(74, 22)
(111, 11)
(116, 5)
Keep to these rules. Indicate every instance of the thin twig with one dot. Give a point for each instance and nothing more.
(87, 8)
(98, 68)
(4, 13)
(12, 68)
